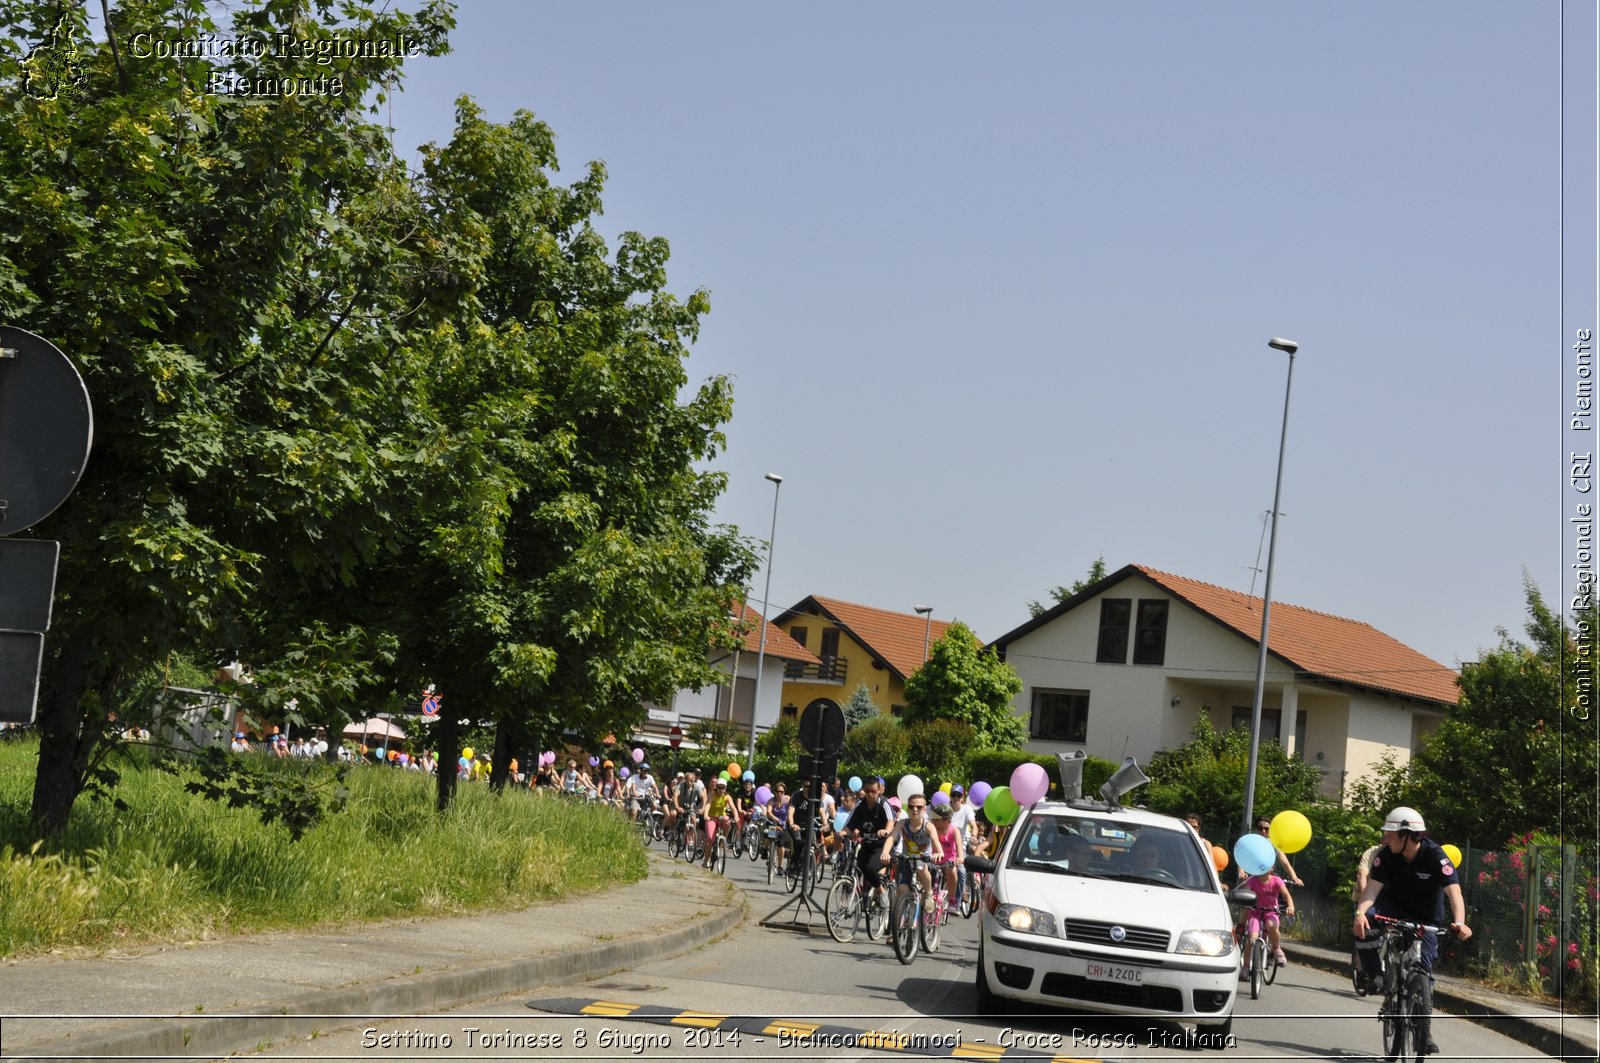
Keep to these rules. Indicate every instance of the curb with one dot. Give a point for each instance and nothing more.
(1572, 1039)
(323, 1010)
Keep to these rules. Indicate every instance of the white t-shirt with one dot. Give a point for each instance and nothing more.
(963, 818)
(639, 784)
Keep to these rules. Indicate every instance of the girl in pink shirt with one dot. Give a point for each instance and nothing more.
(1268, 888)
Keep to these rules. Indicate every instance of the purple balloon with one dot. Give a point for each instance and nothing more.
(939, 798)
(623, 773)
(977, 792)
(594, 762)
(763, 794)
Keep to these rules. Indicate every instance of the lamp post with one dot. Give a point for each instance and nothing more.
(927, 627)
(761, 654)
(1289, 347)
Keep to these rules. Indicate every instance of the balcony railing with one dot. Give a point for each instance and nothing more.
(829, 670)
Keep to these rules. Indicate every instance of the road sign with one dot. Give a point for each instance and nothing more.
(46, 429)
(21, 654)
(27, 583)
(430, 704)
(676, 736)
(822, 727)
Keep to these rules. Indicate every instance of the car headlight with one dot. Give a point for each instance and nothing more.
(1026, 920)
(1205, 943)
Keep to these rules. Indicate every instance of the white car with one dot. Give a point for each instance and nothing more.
(1095, 907)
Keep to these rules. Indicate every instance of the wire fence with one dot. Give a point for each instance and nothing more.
(1534, 910)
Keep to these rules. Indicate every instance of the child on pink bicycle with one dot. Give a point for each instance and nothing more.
(1271, 892)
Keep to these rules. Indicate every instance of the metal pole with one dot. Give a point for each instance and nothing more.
(766, 596)
(1266, 606)
(927, 628)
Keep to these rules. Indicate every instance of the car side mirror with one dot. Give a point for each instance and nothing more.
(1241, 896)
(979, 865)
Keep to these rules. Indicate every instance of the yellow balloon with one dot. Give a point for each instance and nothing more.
(467, 752)
(946, 788)
(1291, 831)
(1454, 854)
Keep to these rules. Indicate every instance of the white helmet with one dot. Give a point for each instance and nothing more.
(1404, 818)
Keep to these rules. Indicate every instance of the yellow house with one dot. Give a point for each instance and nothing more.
(854, 644)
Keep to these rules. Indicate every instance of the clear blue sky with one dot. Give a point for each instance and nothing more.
(995, 283)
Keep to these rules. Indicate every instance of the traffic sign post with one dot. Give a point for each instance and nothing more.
(675, 738)
(46, 430)
(822, 737)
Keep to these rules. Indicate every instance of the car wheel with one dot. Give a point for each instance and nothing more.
(989, 1003)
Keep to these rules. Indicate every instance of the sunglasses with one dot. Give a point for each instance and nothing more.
(916, 808)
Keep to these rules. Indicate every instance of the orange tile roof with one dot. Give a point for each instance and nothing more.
(1321, 645)
(895, 637)
(779, 642)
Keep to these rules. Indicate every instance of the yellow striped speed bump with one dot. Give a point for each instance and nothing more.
(709, 1029)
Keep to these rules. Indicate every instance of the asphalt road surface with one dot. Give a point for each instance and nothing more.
(772, 993)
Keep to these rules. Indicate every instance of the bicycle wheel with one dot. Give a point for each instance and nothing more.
(1420, 996)
(1358, 977)
(903, 918)
(753, 845)
(675, 843)
(1258, 956)
(1271, 969)
(969, 899)
(842, 910)
(876, 915)
(719, 856)
(644, 830)
(928, 925)
(1396, 1016)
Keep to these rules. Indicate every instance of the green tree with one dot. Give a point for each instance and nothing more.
(962, 681)
(1514, 755)
(1059, 594)
(1207, 775)
(937, 748)
(877, 747)
(860, 708)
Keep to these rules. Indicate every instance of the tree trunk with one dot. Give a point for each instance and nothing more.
(449, 734)
(500, 764)
(66, 739)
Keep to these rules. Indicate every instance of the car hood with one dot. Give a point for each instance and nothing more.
(1114, 901)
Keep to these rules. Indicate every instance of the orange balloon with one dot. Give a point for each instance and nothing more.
(1219, 857)
(734, 771)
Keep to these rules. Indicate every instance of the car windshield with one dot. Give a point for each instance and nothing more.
(1079, 843)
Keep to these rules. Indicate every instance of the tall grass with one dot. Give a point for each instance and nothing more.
(177, 867)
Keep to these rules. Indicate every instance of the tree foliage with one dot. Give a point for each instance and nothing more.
(962, 681)
(1207, 775)
(1059, 594)
(860, 707)
(361, 426)
(877, 747)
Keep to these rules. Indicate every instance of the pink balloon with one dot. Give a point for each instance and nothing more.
(638, 756)
(1029, 783)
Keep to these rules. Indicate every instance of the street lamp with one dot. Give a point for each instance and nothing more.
(927, 628)
(761, 654)
(1289, 347)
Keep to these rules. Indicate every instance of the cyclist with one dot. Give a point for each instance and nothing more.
(869, 825)
(799, 818)
(1268, 888)
(641, 791)
(719, 815)
(780, 815)
(917, 838)
(1411, 879)
(687, 802)
(950, 842)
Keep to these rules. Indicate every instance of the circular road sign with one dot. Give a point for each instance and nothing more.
(46, 429)
(822, 726)
(675, 736)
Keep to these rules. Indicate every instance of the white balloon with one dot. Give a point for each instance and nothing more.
(910, 786)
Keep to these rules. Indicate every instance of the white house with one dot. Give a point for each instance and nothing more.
(1123, 667)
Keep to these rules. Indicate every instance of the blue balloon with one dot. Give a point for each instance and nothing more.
(840, 820)
(749, 776)
(1255, 854)
(855, 784)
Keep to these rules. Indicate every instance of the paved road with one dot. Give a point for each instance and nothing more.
(769, 993)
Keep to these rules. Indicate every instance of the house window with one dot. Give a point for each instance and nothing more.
(799, 634)
(1060, 715)
(897, 710)
(1114, 616)
(1271, 722)
(1150, 638)
(830, 643)
(791, 712)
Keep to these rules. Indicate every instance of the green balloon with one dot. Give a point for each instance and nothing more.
(1000, 806)
(723, 776)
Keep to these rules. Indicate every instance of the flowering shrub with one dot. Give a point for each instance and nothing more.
(1497, 897)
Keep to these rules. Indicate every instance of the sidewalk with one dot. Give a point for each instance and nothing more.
(209, 999)
(1569, 1037)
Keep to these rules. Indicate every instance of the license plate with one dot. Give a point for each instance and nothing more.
(1106, 972)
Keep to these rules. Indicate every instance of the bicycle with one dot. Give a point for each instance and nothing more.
(1407, 1009)
(719, 853)
(802, 874)
(1259, 966)
(972, 892)
(849, 903)
(649, 824)
(750, 838)
(916, 919)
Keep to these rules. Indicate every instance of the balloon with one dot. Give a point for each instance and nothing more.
(1219, 857)
(624, 773)
(939, 798)
(734, 771)
(549, 756)
(463, 762)
(945, 788)
(763, 794)
(1029, 783)
(749, 776)
(840, 820)
(1255, 854)
(638, 755)
(1000, 806)
(722, 775)
(1452, 852)
(467, 752)
(855, 784)
(1290, 831)
(393, 754)
(909, 787)
(594, 762)
(977, 792)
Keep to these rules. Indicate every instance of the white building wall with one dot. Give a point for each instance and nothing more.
(713, 702)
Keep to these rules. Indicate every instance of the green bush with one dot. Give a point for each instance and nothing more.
(936, 748)
(995, 767)
(877, 747)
